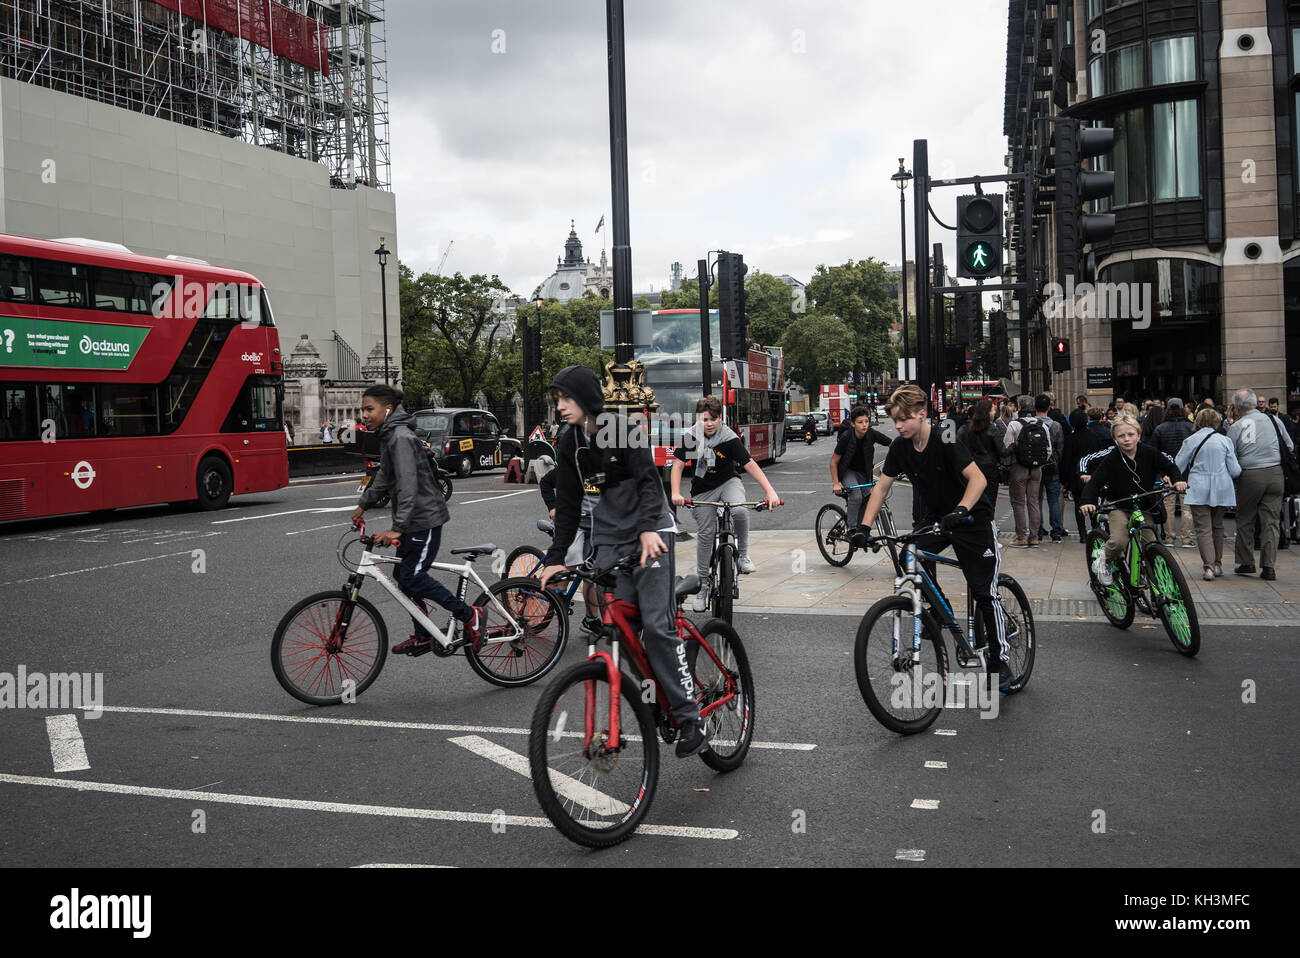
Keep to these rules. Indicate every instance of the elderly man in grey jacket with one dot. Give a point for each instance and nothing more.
(1259, 488)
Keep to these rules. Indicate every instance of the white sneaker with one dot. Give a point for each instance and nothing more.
(1101, 568)
(700, 601)
(745, 565)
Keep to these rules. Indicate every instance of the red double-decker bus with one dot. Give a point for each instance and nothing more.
(127, 380)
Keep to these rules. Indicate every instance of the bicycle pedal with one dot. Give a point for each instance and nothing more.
(421, 650)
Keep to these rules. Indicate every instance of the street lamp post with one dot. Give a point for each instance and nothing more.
(901, 179)
(382, 253)
(537, 358)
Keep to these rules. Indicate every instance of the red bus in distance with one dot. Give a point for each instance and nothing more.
(128, 380)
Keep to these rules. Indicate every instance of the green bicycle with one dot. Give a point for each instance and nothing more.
(1147, 578)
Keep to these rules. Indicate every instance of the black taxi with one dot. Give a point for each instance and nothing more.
(465, 440)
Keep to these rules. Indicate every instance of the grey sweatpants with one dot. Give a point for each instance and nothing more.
(651, 590)
(706, 517)
(1259, 493)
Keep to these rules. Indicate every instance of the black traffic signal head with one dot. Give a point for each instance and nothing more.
(979, 235)
(1075, 229)
(1060, 355)
(731, 305)
(969, 325)
(998, 339)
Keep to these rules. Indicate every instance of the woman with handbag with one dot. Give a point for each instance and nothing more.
(1209, 461)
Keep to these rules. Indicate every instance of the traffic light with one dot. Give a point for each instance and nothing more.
(1060, 355)
(969, 317)
(954, 361)
(979, 235)
(532, 343)
(731, 306)
(998, 337)
(1073, 143)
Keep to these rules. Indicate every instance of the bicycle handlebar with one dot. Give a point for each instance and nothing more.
(589, 572)
(1161, 489)
(756, 506)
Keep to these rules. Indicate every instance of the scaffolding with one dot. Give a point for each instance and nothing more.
(326, 101)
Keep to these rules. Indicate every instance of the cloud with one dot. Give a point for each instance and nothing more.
(769, 128)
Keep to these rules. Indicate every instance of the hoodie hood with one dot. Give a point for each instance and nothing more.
(398, 417)
(583, 385)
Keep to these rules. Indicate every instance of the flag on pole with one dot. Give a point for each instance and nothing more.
(600, 224)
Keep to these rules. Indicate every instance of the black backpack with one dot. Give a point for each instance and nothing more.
(1033, 448)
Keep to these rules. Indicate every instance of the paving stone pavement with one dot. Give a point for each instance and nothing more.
(792, 577)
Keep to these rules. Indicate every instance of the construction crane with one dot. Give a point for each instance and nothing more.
(443, 262)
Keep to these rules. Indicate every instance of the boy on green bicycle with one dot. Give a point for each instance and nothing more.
(1125, 469)
(950, 489)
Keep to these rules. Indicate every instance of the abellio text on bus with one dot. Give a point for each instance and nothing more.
(114, 395)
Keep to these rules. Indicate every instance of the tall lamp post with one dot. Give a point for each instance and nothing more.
(382, 253)
(537, 358)
(901, 179)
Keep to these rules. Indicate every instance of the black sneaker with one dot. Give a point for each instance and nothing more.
(694, 737)
(591, 624)
(1245, 569)
(1267, 574)
(1005, 678)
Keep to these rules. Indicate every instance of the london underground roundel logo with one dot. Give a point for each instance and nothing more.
(86, 344)
(83, 474)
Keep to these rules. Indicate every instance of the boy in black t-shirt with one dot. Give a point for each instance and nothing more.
(852, 463)
(950, 489)
(714, 454)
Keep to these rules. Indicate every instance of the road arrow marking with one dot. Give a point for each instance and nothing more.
(572, 789)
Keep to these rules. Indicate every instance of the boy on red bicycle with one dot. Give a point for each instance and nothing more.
(608, 458)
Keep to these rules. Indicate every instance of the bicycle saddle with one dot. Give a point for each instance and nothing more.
(486, 549)
(689, 585)
(547, 526)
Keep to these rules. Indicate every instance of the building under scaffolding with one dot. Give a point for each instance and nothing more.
(303, 77)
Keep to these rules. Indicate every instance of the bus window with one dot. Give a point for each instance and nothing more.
(268, 319)
(775, 406)
(62, 284)
(121, 290)
(15, 279)
(256, 408)
(128, 410)
(72, 408)
(238, 303)
(17, 411)
(758, 406)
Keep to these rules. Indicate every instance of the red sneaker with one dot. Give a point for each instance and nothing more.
(414, 645)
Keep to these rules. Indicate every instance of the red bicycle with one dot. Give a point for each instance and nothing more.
(592, 744)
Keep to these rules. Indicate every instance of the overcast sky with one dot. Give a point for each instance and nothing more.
(768, 127)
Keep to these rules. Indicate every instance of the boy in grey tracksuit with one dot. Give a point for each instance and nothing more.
(609, 459)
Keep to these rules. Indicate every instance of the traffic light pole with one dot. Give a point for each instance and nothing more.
(921, 239)
(1027, 189)
(936, 351)
(706, 347)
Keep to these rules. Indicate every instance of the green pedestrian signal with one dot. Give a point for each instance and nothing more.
(979, 235)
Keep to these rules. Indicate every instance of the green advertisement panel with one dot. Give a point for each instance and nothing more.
(57, 344)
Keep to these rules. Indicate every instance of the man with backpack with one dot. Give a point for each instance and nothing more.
(1051, 485)
(1029, 441)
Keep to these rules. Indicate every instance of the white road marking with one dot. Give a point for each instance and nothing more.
(113, 565)
(379, 723)
(333, 525)
(335, 499)
(507, 495)
(399, 865)
(945, 731)
(387, 811)
(66, 746)
(291, 512)
(925, 803)
(586, 796)
(936, 764)
(910, 855)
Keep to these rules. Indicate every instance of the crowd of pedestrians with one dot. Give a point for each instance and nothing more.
(1241, 458)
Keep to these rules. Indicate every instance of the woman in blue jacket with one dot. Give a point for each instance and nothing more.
(1210, 492)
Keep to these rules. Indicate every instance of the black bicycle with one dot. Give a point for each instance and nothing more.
(724, 577)
(899, 656)
(834, 534)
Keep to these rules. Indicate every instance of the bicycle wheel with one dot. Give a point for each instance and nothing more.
(833, 535)
(444, 486)
(545, 627)
(1020, 632)
(904, 699)
(724, 583)
(314, 654)
(594, 795)
(1116, 604)
(523, 563)
(731, 725)
(1173, 599)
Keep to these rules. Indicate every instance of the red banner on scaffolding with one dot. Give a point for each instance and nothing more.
(272, 25)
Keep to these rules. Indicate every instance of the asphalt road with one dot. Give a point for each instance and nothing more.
(1119, 753)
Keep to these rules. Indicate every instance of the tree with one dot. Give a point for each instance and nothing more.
(450, 333)
(769, 307)
(818, 349)
(862, 295)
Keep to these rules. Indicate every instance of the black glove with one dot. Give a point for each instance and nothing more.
(958, 517)
(860, 538)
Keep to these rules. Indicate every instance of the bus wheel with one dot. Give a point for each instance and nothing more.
(214, 483)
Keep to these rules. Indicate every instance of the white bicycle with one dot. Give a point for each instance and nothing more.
(331, 646)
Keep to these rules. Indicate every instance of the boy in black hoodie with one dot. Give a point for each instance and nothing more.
(608, 459)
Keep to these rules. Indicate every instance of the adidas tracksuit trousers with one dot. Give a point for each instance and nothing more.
(976, 547)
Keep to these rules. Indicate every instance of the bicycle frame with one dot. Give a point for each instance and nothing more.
(1133, 559)
(917, 583)
(620, 616)
(368, 568)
